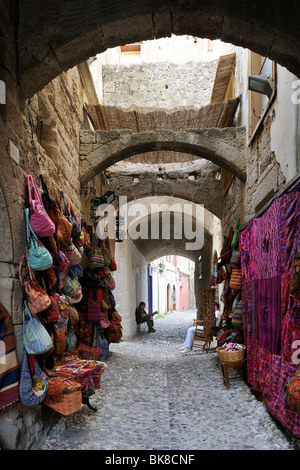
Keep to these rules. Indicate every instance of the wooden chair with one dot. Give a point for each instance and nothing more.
(203, 336)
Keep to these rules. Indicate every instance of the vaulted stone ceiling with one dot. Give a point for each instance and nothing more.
(54, 36)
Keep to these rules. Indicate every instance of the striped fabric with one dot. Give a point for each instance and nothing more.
(9, 371)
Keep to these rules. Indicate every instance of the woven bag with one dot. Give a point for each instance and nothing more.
(72, 287)
(235, 282)
(94, 307)
(96, 259)
(64, 394)
(237, 312)
(87, 352)
(73, 315)
(235, 258)
(40, 221)
(73, 254)
(52, 313)
(292, 391)
(295, 281)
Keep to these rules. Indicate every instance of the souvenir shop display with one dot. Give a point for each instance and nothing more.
(69, 311)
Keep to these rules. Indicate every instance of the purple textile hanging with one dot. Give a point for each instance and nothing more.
(268, 310)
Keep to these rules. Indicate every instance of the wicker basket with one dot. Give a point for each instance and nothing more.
(231, 356)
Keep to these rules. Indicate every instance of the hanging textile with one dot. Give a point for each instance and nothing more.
(9, 371)
(271, 317)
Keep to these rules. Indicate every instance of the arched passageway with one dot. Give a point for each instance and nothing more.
(53, 37)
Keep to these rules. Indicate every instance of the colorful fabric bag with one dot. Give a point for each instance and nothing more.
(37, 299)
(40, 221)
(235, 282)
(36, 338)
(237, 312)
(33, 385)
(72, 287)
(235, 258)
(78, 241)
(94, 307)
(63, 395)
(73, 254)
(52, 313)
(292, 391)
(87, 352)
(62, 262)
(96, 258)
(77, 269)
(73, 315)
(39, 257)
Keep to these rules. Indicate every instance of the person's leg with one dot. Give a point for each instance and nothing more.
(189, 337)
(149, 322)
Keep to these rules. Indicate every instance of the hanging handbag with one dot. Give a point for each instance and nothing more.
(94, 307)
(96, 259)
(73, 315)
(73, 254)
(72, 287)
(78, 241)
(36, 338)
(51, 314)
(62, 262)
(76, 230)
(33, 385)
(77, 269)
(105, 252)
(112, 265)
(40, 221)
(235, 282)
(237, 311)
(87, 240)
(292, 391)
(235, 258)
(37, 299)
(39, 257)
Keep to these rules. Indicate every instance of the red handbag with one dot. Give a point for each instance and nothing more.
(94, 307)
(37, 299)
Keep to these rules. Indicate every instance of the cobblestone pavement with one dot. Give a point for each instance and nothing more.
(154, 397)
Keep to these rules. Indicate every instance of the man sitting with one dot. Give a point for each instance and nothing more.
(141, 316)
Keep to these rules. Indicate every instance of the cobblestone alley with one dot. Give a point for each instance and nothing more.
(155, 397)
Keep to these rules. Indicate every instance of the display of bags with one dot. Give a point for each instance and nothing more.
(36, 297)
(33, 385)
(40, 221)
(36, 338)
(39, 257)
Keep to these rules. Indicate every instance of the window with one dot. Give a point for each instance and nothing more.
(131, 53)
(258, 103)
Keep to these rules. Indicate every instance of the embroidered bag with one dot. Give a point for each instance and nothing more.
(39, 257)
(52, 313)
(40, 221)
(87, 352)
(62, 262)
(72, 287)
(33, 385)
(37, 299)
(292, 391)
(64, 394)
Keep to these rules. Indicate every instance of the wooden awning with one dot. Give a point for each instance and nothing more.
(223, 76)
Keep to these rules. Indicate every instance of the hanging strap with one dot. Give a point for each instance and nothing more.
(67, 213)
(29, 232)
(31, 182)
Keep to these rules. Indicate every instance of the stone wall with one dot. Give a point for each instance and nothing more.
(158, 86)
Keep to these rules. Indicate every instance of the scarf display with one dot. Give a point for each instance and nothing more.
(271, 316)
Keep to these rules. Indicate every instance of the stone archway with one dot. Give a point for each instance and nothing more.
(225, 147)
(55, 36)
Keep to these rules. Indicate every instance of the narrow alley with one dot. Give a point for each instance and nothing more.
(153, 397)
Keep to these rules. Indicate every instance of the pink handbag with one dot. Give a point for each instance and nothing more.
(40, 221)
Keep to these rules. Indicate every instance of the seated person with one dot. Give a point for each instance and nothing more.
(141, 316)
(187, 345)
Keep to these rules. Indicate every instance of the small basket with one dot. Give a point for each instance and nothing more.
(231, 356)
